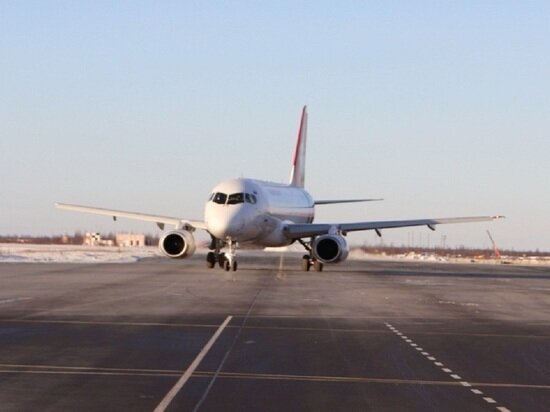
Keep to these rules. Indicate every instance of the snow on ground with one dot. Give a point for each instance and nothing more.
(111, 254)
(73, 254)
(358, 254)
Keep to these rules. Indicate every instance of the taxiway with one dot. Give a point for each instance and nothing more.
(361, 336)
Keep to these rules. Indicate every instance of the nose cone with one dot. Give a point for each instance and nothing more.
(225, 222)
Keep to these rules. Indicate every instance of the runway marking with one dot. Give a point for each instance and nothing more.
(189, 371)
(85, 370)
(290, 328)
(229, 350)
(450, 372)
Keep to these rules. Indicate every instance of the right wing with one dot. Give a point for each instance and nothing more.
(297, 231)
(158, 219)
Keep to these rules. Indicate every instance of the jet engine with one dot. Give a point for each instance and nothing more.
(330, 248)
(177, 244)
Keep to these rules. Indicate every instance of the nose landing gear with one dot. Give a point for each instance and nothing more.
(228, 260)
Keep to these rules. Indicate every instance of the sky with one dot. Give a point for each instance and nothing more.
(440, 108)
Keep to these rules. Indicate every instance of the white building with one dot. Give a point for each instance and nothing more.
(130, 240)
(94, 239)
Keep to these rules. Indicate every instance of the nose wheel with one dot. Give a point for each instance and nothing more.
(227, 261)
(230, 266)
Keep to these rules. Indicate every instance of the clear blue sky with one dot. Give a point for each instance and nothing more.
(441, 108)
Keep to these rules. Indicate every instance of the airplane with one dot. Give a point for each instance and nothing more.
(246, 211)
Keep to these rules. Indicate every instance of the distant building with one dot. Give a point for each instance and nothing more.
(94, 239)
(130, 240)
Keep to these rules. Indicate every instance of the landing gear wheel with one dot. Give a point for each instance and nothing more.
(210, 260)
(318, 266)
(234, 266)
(222, 260)
(227, 265)
(306, 263)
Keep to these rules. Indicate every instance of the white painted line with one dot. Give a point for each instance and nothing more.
(477, 391)
(419, 349)
(426, 353)
(187, 374)
(446, 370)
(456, 377)
(465, 384)
(503, 409)
(413, 344)
(431, 358)
(490, 400)
(438, 364)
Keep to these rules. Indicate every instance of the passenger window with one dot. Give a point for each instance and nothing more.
(235, 198)
(253, 199)
(220, 198)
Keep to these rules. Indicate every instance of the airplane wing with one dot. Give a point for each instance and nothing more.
(297, 231)
(159, 220)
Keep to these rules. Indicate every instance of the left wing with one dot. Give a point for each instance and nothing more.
(158, 219)
(297, 231)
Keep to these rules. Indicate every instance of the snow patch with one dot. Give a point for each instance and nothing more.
(16, 253)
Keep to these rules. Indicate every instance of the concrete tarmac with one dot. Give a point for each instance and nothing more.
(361, 336)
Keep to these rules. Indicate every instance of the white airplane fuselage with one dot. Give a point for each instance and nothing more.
(254, 211)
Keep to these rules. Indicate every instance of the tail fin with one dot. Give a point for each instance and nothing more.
(297, 174)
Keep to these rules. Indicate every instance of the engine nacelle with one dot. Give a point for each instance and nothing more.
(330, 248)
(177, 244)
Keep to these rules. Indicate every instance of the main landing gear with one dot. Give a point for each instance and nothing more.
(227, 261)
(308, 260)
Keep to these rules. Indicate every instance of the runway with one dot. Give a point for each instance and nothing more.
(172, 335)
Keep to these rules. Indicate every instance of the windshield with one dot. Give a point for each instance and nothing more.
(219, 198)
(233, 199)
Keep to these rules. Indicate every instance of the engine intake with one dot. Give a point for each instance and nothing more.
(330, 248)
(177, 244)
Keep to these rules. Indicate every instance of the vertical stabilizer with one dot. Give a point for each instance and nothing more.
(297, 174)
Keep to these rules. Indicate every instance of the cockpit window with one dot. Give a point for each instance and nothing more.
(250, 198)
(235, 198)
(219, 198)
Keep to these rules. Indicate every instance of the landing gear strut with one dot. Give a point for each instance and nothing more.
(308, 260)
(227, 261)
